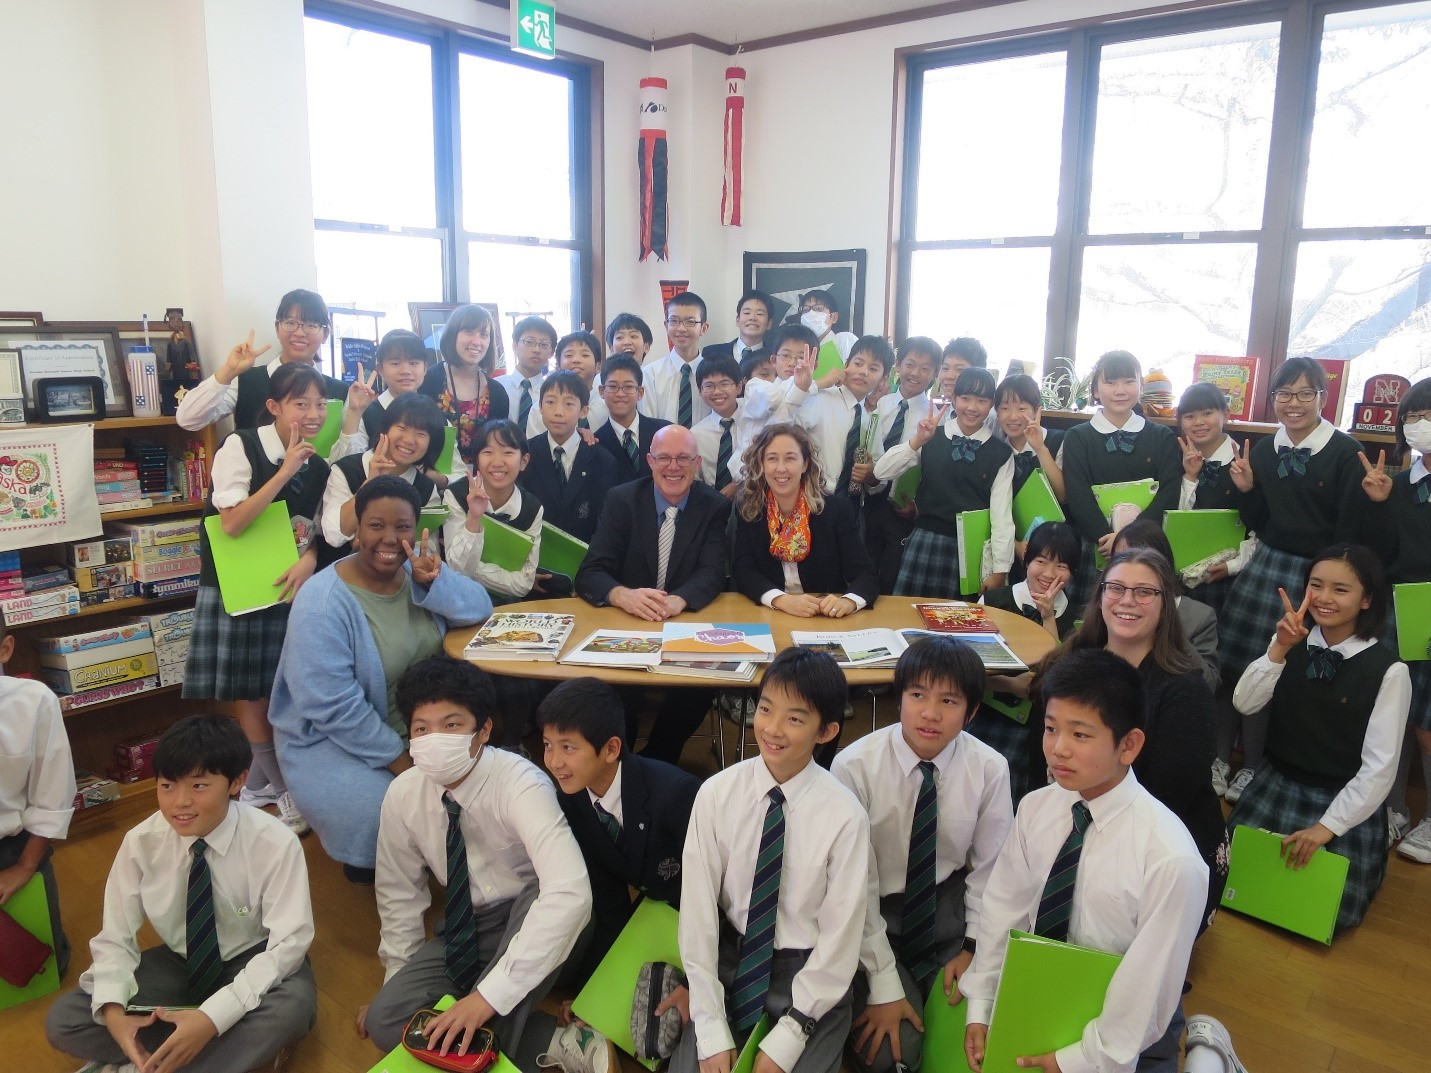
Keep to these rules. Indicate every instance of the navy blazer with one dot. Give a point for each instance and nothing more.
(575, 507)
(727, 349)
(838, 561)
(624, 551)
(646, 428)
(656, 800)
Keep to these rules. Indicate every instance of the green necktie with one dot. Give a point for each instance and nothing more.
(722, 474)
(757, 948)
(683, 414)
(201, 932)
(609, 823)
(917, 933)
(461, 956)
(1055, 908)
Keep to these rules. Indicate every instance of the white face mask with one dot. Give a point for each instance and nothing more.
(1419, 436)
(443, 758)
(816, 320)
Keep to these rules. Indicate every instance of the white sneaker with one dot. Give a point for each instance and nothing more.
(1209, 1032)
(1397, 824)
(258, 798)
(1417, 845)
(1237, 785)
(579, 1049)
(1220, 772)
(289, 814)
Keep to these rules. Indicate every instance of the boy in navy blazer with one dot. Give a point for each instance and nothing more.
(570, 477)
(627, 433)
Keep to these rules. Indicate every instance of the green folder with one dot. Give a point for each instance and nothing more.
(1048, 993)
(561, 552)
(503, 546)
(1139, 493)
(905, 486)
(828, 359)
(1197, 534)
(29, 909)
(745, 1063)
(332, 425)
(399, 1061)
(433, 518)
(249, 563)
(1303, 901)
(1007, 704)
(448, 452)
(1034, 505)
(975, 527)
(605, 1002)
(1413, 620)
(944, 1030)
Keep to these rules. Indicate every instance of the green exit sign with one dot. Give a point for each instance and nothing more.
(534, 28)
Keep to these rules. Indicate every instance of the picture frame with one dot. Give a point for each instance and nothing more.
(161, 332)
(11, 319)
(786, 276)
(12, 389)
(429, 318)
(49, 352)
(62, 399)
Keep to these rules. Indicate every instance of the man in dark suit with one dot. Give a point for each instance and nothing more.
(627, 434)
(625, 568)
(754, 318)
(571, 485)
(628, 813)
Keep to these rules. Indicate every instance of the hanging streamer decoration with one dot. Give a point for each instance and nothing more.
(730, 191)
(652, 163)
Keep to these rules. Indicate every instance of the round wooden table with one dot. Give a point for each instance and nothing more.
(1028, 640)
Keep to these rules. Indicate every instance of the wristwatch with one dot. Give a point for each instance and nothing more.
(806, 1022)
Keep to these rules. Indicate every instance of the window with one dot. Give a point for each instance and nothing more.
(445, 169)
(1138, 186)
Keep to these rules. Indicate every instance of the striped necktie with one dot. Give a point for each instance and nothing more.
(524, 406)
(665, 539)
(461, 956)
(1421, 491)
(757, 948)
(628, 441)
(609, 823)
(1055, 908)
(683, 411)
(1121, 439)
(201, 932)
(722, 475)
(558, 454)
(1293, 461)
(896, 430)
(852, 443)
(917, 933)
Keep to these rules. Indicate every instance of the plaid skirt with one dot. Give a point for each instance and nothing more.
(1010, 740)
(1274, 802)
(1248, 619)
(930, 567)
(233, 657)
(1420, 680)
(1213, 593)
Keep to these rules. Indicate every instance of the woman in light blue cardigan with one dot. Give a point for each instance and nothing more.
(352, 632)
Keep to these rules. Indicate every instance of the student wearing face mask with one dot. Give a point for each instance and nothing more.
(820, 313)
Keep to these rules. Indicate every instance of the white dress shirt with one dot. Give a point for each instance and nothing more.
(210, 401)
(516, 837)
(762, 404)
(231, 477)
(512, 385)
(1223, 455)
(260, 884)
(37, 772)
(972, 787)
(611, 800)
(828, 414)
(1134, 424)
(822, 893)
(620, 430)
(1314, 441)
(464, 547)
(1141, 892)
(897, 460)
(662, 379)
(1380, 748)
(338, 493)
(568, 451)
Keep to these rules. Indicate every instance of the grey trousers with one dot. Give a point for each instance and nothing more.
(11, 849)
(825, 1045)
(522, 1034)
(285, 1015)
(1162, 1056)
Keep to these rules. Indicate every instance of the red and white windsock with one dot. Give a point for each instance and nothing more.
(652, 164)
(730, 191)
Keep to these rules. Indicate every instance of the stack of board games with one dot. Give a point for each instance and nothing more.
(171, 630)
(134, 759)
(82, 662)
(521, 636)
(164, 554)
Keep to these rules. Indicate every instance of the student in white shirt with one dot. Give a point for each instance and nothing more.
(534, 342)
(501, 457)
(1139, 886)
(836, 415)
(754, 317)
(37, 789)
(401, 362)
(627, 433)
(820, 313)
(734, 421)
(628, 334)
(795, 961)
(897, 417)
(671, 390)
(240, 960)
(940, 681)
(512, 917)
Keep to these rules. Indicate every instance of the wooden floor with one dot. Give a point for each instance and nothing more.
(1293, 1006)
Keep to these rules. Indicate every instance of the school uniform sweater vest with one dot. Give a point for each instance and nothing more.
(1411, 522)
(1318, 726)
(373, 421)
(1110, 467)
(253, 393)
(525, 517)
(948, 488)
(1302, 512)
(1026, 462)
(302, 494)
(351, 467)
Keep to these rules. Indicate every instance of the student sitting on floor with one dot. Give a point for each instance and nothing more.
(485, 825)
(773, 896)
(939, 808)
(229, 987)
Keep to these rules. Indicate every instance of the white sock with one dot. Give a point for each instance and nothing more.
(1202, 1059)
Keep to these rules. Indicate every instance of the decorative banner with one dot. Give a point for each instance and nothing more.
(669, 289)
(651, 161)
(47, 486)
(730, 191)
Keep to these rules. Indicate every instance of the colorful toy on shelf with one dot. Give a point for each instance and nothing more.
(1157, 398)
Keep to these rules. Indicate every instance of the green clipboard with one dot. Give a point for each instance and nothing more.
(1034, 505)
(1139, 493)
(332, 426)
(1197, 534)
(828, 359)
(944, 1030)
(605, 1002)
(249, 563)
(503, 546)
(1260, 884)
(745, 1063)
(29, 908)
(448, 452)
(905, 485)
(975, 527)
(561, 552)
(1048, 992)
(399, 1061)
(1413, 620)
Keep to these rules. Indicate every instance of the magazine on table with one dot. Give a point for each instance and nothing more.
(687, 642)
(518, 635)
(992, 650)
(854, 648)
(617, 648)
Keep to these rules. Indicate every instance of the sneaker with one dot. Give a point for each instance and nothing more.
(1397, 824)
(289, 814)
(1417, 845)
(258, 798)
(579, 1049)
(1209, 1032)
(1221, 770)
(362, 877)
(110, 1067)
(1237, 785)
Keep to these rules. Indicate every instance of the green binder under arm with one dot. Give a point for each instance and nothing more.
(503, 546)
(905, 485)
(1139, 493)
(449, 451)
(1413, 620)
(975, 527)
(248, 564)
(1198, 534)
(561, 552)
(606, 1000)
(332, 426)
(1035, 504)
(1303, 901)
(746, 1062)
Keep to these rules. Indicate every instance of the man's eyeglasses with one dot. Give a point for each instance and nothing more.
(682, 460)
(1142, 594)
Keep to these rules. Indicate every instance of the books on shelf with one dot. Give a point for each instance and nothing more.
(991, 648)
(956, 617)
(685, 642)
(854, 648)
(617, 648)
(517, 635)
